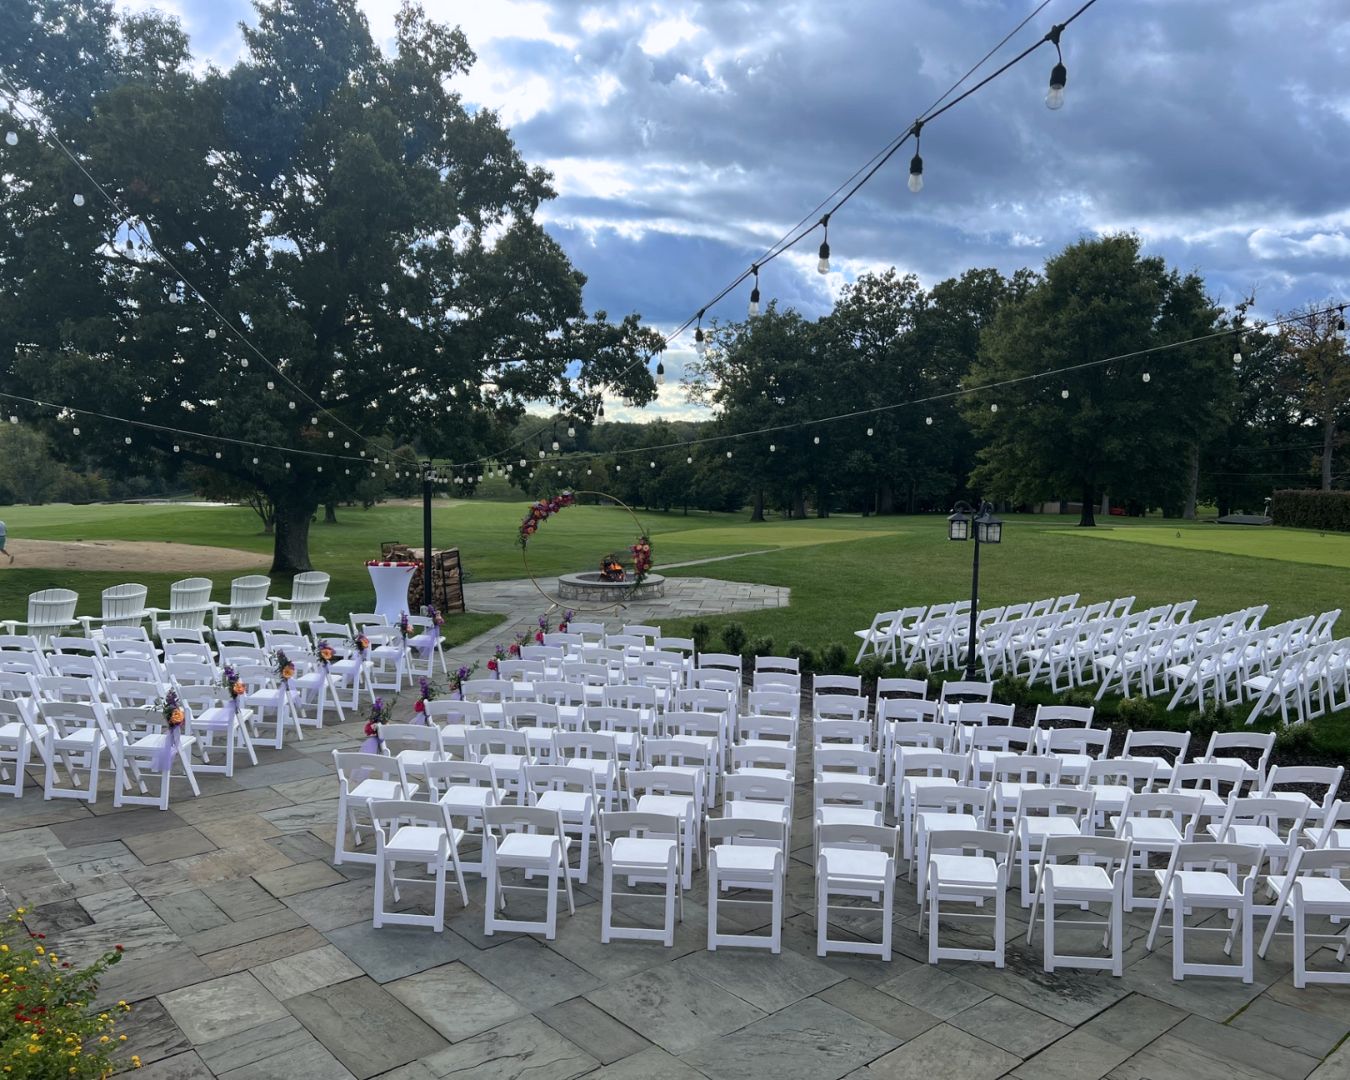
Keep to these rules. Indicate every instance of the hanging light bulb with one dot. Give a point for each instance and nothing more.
(773, 448)
(1064, 394)
(869, 433)
(255, 461)
(11, 138)
(571, 431)
(291, 405)
(928, 420)
(618, 468)
(313, 421)
(346, 444)
(175, 448)
(542, 453)
(127, 440)
(754, 294)
(1059, 74)
(600, 412)
(1147, 377)
(522, 463)
(1237, 352)
(287, 464)
(823, 266)
(319, 468)
(131, 244)
(555, 445)
(75, 431)
(243, 363)
(78, 199)
(728, 453)
(994, 407)
(689, 460)
(653, 464)
(211, 334)
(217, 455)
(660, 373)
(816, 440)
(588, 472)
(916, 162)
(700, 342)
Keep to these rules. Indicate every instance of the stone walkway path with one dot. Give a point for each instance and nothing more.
(684, 596)
(250, 956)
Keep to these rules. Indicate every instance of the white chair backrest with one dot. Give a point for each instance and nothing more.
(189, 603)
(124, 605)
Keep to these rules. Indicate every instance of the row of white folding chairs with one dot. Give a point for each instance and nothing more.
(1313, 681)
(939, 637)
(894, 634)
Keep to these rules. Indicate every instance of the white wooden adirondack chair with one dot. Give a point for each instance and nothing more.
(248, 601)
(189, 605)
(308, 595)
(123, 605)
(50, 613)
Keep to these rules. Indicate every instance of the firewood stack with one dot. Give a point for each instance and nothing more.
(447, 582)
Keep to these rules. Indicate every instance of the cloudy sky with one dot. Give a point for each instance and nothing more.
(687, 137)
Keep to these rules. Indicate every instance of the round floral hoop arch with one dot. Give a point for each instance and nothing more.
(543, 509)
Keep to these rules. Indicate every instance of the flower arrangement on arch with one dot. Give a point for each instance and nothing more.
(642, 558)
(540, 512)
(49, 1025)
(379, 716)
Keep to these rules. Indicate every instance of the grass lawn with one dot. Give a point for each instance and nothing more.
(1285, 545)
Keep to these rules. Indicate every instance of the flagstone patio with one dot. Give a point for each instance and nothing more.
(248, 955)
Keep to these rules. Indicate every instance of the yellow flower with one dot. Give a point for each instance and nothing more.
(20, 911)
(40, 950)
(33, 1048)
(103, 1038)
(135, 1061)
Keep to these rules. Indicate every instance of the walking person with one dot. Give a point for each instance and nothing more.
(2, 542)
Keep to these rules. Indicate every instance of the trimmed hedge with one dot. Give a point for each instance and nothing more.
(1328, 510)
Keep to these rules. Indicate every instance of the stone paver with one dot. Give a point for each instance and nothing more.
(248, 955)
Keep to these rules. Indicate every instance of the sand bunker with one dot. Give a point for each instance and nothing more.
(128, 556)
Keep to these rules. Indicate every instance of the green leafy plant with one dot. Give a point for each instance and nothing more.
(701, 632)
(48, 1025)
(1012, 690)
(871, 668)
(1295, 740)
(806, 656)
(734, 638)
(760, 646)
(1079, 698)
(1136, 711)
(834, 658)
(920, 671)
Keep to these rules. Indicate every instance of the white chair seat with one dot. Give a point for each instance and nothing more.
(853, 865)
(1340, 838)
(371, 788)
(1049, 826)
(1202, 884)
(464, 796)
(504, 763)
(566, 802)
(936, 819)
(755, 770)
(651, 852)
(680, 806)
(1075, 876)
(748, 810)
(1256, 835)
(970, 870)
(745, 858)
(1152, 830)
(415, 841)
(518, 848)
(847, 815)
(76, 738)
(1316, 889)
(415, 759)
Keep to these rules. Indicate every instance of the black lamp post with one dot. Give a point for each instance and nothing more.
(965, 522)
(428, 478)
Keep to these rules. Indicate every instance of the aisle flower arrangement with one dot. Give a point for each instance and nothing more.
(325, 655)
(460, 676)
(404, 626)
(285, 669)
(48, 1026)
(437, 619)
(360, 644)
(500, 653)
(379, 716)
(540, 512)
(233, 685)
(426, 691)
(170, 707)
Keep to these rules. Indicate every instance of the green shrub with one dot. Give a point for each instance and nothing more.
(920, 671)
(733, 638)
(701, 632)
(871, 668)
(1012, 690)
(1202, 723)
(1137, 712)
(807, 657)
(834, 658)
(760, 646)
(1296, 739)
(48, 1025)
(1079, 698)
(1328, 510)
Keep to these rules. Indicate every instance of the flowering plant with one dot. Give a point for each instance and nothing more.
(172, 709)
(284, 668)
(543, 629)
(425, 692)
(540, 512)
(325, 654)
(499, 653)
(461, 675)
(404, 626)
(437, 619)
(568, 616)
(642, 558)
(47, 1024)
(360, 645)
(379, 716)
(230, 681)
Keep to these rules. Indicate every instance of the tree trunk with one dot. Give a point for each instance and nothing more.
(330, 513)
(290, 547)
(799, 504)
(1192, 483)
(1085, 517)
(757, 514)
(1106, 504)
(1328, 445)
(886, 498)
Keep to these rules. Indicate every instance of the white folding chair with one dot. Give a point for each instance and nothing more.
(1082, 870)
(464, 788)
(531, 839)
(671, 793)
(855, 861)
(1315, 884)
(570, 791)
(363, 778)
(76, 736)
(414, 832)
(746, 854)
(967, 866)
(140, 743)
(1043, 813)
(643, 848)
(1209, 877)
